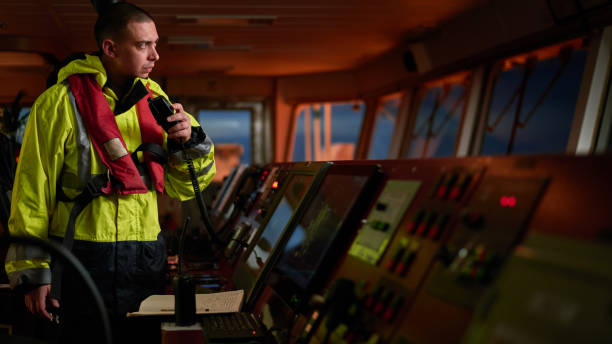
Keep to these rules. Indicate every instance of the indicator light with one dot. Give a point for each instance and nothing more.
(507, 201)
(315, 315)
(275, 184)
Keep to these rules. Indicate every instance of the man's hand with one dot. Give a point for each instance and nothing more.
(182, 130)
(35, 301)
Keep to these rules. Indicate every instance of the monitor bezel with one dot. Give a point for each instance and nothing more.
(315, 169)
(337, 247)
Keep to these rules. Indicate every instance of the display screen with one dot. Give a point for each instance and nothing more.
(291, 198)
(224, 188)
(314, 234)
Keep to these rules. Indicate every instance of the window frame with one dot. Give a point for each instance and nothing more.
(380, 102)
(295, 114)
(578, 117)
(418, 94)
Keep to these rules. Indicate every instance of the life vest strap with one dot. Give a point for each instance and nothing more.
(93, 189)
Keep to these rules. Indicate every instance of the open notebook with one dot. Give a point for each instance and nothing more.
(213, 303)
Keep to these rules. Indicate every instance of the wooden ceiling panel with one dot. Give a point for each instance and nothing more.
(305, 36)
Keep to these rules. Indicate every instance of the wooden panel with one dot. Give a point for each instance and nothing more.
(306, 36)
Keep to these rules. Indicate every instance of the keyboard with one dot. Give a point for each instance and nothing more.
(232, 328)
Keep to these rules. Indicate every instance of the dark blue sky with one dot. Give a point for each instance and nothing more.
(548, 129)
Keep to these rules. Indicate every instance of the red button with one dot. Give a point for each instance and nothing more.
(433, 232)
(421, 228)
(389, 314)
(441, 191)
(400, 268)
(379, 307)
(455, 191)
(369, 301)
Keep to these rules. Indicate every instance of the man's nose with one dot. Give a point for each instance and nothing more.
(153, 55)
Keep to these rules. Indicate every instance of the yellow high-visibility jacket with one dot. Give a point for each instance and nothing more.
(116, 236)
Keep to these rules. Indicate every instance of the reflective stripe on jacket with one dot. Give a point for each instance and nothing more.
(56, 151)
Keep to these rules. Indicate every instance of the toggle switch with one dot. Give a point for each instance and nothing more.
(446, 186)
(426, 224)
(436, 230)
(373, 298)
(418, 217)
(393, 308)
(458, 190)
(396, 258)
(383, 301)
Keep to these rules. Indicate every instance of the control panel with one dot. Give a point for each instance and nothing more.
(480, 249)
(429, 278)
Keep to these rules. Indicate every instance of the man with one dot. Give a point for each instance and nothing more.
(85, 127)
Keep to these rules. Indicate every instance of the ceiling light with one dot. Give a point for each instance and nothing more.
(191, 40)
(226, 20)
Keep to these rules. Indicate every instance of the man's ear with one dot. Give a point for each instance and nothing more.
(109, 48)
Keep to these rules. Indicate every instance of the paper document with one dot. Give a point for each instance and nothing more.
(223, 302)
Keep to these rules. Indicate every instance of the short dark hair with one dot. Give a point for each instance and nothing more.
(114, 19)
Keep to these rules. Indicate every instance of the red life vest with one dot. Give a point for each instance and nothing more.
(100, 123)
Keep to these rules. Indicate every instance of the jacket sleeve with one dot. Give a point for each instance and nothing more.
(33, 197)
(200, 150)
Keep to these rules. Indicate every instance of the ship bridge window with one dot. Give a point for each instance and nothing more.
(441, 105)
(230, 131)
(384, 125)
(532, 100)
(327, 131)
(604, 135)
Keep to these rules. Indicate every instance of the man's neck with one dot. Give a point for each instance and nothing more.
(120, 84)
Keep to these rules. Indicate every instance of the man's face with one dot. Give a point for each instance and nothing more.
(135, 51)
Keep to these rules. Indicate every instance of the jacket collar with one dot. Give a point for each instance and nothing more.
(91, 64)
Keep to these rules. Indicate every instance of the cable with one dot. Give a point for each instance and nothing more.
(67, 256)
(182, 245)
(161, 109)
(200, 201)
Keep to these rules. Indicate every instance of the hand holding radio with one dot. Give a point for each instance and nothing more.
(172, 118)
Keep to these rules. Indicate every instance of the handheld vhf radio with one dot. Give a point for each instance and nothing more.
(162, 109)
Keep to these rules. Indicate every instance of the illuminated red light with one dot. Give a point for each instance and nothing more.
(507, 201)
(275, 185)
(511, 201)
